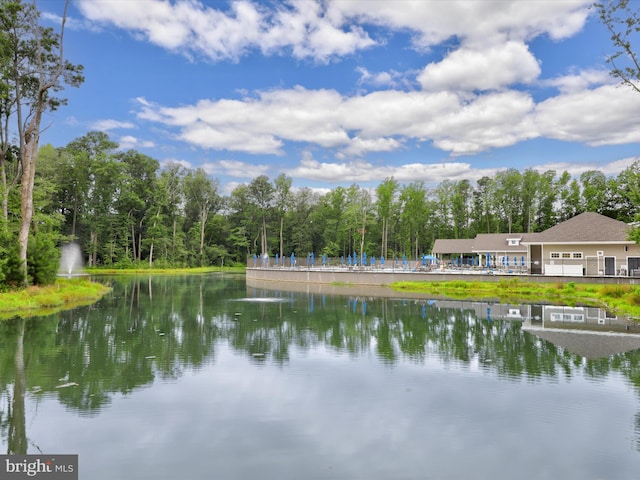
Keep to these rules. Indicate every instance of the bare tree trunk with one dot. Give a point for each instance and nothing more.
(263, 242)
(133, 243)
(155, 222)
(29, 157)
(203, 221)
(93, 256)
(30, 137)
(173, 242)
(281, 235)
(140, 242)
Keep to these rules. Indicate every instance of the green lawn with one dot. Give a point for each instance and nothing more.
(160, 271)
(623, 299)
(63, 294)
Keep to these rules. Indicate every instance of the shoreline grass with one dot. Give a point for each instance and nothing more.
(67, 293)
(621, 299)
(161, 271)
(64, 294)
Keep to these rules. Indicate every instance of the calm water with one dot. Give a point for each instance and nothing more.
(206, 378)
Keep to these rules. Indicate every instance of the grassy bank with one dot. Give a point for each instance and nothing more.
(65, 293)
(623, 299)
(161, 271)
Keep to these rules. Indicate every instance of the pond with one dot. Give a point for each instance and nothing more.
(201, 377)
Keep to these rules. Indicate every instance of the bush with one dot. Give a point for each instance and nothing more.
(43, 259)
(615, 291)
(633, 297)
(124, 264)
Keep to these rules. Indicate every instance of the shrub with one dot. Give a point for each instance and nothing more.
(633, 297)
(615, 291)
(43, 259)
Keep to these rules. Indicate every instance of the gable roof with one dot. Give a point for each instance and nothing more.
(588, 344)
(449, 245)
(586, 227)
(497, 242)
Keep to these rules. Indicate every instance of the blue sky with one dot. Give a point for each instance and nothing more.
(348, 91)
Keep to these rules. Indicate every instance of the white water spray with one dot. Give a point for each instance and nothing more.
(71, 261)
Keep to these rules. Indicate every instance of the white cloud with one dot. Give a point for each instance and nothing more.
(109, 124)
(352, 125)
(192, 28)
(172, 161)
(468, 102)
(383, 121)
(433, 22)
(323, 29)
(391, 78)
(362, 171)
(430, 173)
(359, 147)
(470, 69)
(575, 169)
(235, 168)
(581, 80)
(607, 115)
(130, 142)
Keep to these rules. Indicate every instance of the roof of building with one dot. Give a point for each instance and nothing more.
(585, 227)
(449, 245)
(497, 242)
(590, 345)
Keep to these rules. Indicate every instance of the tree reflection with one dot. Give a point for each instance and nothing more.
(17, 441)
(159, 327)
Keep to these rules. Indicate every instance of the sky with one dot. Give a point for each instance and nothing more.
(337, 92)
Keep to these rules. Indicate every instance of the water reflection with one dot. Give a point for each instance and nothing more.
(153, 331)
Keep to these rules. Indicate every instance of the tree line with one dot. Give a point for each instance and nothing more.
(125, 210)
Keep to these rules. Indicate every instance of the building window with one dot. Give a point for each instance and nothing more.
(513, 241)
(577, 254)
(555, 255)
(566, 255)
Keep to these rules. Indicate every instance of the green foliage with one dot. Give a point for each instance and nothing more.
(615, 291)
(44, 259)
(633, 297)
(125, 212)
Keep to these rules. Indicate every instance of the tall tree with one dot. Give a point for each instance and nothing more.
(92, 177)
(332, 208)
(37, 69)
(386, 193)
(460, 208)
(261, 192)
(594, 190)
(303, 231)
(244, 216)
(413, 217)
(202, 198)
(139, 187)
(545, 201)
(483, 210)
(172, 198)
(282, 196)
(622, 19)
(508, 199)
